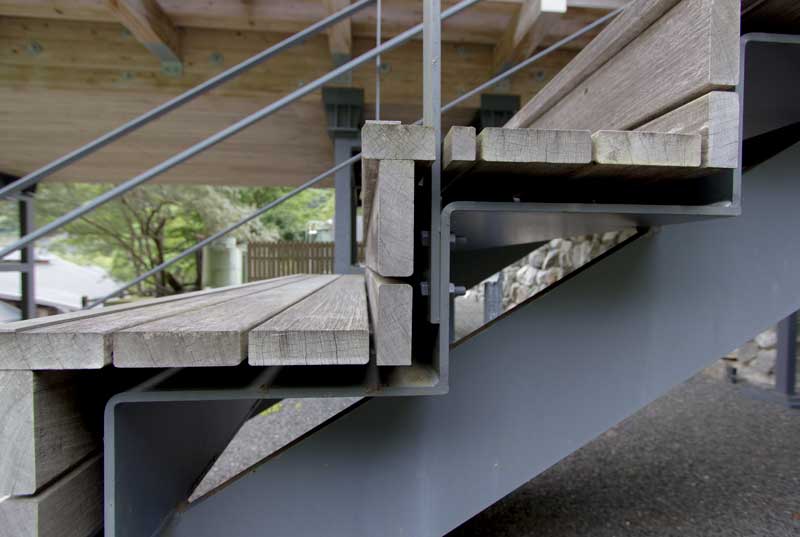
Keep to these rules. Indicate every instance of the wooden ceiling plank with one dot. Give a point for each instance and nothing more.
(150, 26)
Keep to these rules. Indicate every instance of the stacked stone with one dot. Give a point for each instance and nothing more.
(552, 261)
(755, 360)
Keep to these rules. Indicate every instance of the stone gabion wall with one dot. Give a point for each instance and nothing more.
(552, 261)
(755, 360)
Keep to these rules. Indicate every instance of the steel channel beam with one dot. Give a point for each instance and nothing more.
(421, 466)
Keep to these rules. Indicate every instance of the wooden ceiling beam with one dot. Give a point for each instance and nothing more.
(340, 36)
(533, 22)
(150, 26)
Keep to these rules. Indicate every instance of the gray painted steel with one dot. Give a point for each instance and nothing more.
(344, 249)
(786, 362)
(651, 313)
(421, 466)
(27, 257)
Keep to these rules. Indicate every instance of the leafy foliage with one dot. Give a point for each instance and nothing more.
(153, 223)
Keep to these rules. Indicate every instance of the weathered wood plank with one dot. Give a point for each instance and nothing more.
(390, 306)
(715, 116)
(459, 149)
(636, 17)
(535, 146)
(328, 327)
(85, 343)
(645, 148)
(691, 50)
(44, 430)
(215, 335)
(391, 140)
(40, 322)
(389, 242)
(70, 507)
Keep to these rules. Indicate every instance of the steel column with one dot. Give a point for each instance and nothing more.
(432, 117)
(786, 362)
(27, 276)
(344, 249)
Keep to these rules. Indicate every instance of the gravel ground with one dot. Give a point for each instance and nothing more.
(702, 461)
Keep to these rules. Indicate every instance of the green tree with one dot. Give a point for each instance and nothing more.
(144, 228)
(290, 217)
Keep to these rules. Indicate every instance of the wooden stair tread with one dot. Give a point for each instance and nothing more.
(209, 328)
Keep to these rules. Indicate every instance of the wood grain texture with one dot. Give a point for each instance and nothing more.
(84, 341)
(340, 36)
(546, 146)
(390, 140)
(70, 507)
(390, 306)
(645, 148)
(636, 17)
(691, 50)
(389, 243)
(715, 116)
(215, 335)
(150, 25)
(526, 32)
(44, 429)
(329, 327)
(459, 149)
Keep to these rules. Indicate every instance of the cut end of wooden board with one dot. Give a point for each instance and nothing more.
(547, 146)
(715, 116)
(459, 147)
(639, 148)
(329, 327)
(387, 140)
(52, 350)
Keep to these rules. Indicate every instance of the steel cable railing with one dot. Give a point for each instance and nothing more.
(227, 132)
(135, 124)
(319, 178)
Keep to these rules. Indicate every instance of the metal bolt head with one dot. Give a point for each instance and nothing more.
(216, 58)
(173, 69)
(34, 48)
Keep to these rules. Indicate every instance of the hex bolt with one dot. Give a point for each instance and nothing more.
(34, 48)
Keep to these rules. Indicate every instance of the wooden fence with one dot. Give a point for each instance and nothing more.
(273, 259)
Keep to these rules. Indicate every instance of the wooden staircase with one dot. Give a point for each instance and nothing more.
(641, 129)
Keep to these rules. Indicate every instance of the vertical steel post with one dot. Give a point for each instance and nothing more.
(432, 117)
(786, 363)
(27, 254)
(344, 249)
(378, 15)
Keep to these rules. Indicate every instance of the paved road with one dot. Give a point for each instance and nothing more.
(704, 461)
